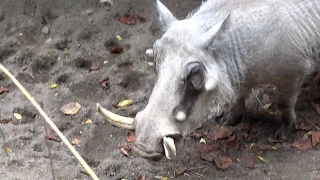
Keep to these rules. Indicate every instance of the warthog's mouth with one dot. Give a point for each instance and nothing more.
(128, 123)
(140, 150)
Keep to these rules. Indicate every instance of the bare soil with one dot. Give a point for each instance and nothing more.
(81, 34)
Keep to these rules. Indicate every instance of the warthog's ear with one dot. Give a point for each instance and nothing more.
(217, 31)
(166, 17)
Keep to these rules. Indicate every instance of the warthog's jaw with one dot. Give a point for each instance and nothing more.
(128, 123)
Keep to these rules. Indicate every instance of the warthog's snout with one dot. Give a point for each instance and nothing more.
(151, 146)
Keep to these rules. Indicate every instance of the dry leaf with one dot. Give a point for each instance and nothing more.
(303, 144)
(221, 133)
(116, 50)
(125, 103)
(9, 150)
(52, 136)
(232, 144)
(75, 141)
(3, 90)
(89, 121)
(141, 178)
(129, 20)
(104, 81)
(197, 135)
(4, 121)
(17, 116)
(71, 108)
(94, 67)
(223, 162)
(119, 37)
(305, 126)
(263, 159)
(131, 138)
(315, 138)
(54, 85)
(210, 147)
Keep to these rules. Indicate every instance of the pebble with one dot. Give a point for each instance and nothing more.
(109, 2)
(49, 40)
(87, 12)
(45, 30)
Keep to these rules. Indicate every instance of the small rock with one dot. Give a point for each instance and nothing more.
(108, 2)
(45, 30)
(1, 16)
(87, 12)
(49, 40)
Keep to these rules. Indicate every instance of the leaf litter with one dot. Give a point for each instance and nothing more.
(70, 108)
(3, 90)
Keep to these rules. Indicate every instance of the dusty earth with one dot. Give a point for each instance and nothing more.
(45, 42)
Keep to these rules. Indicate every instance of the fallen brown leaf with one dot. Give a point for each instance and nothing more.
(197, 135)
(52, 136)
(223, 162)
(246, 161)
(116, 50)
(141, 178)
(75, 141)
(315, 137)
(94, 67)
(221, 133)
(232, 144)
(3, 90)
(131, 138)
(104, 81)
(205, 148)
(128, 20)
(70, 108)
(302, 144)
(4, 121)
(305, 126)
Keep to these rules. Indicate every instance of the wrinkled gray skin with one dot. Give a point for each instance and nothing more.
(259, 42)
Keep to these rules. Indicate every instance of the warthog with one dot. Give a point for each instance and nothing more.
(208, 62)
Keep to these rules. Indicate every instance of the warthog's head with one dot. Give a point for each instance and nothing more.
(190, 88)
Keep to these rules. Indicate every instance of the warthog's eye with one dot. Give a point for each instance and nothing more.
(195, 75)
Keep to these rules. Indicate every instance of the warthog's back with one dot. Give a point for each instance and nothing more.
(266, 37)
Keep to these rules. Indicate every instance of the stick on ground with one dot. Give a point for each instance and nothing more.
(49, 121)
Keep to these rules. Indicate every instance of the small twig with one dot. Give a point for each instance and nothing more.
(49, 121)
(196, 168)
(309, 121)
(200, 175)
(257, 97)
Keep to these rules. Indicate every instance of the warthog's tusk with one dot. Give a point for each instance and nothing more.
(120, 121)
(169, 147)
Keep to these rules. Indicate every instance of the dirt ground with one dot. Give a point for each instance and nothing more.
(45, 42)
